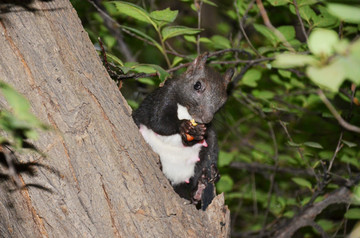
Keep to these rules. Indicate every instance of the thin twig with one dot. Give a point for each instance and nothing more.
(272, 177)
(253, 191)
(113, 74)
(221, 52)
(299, 150)
(338, 148)
(198, 5)
(254, 61)
(107, 16)
(251, 4)
(243, 30)
(319, 229)
(300, 20)
(268, 24)
(338, 117)
(141, 75)
(174, 52)
(114, 30)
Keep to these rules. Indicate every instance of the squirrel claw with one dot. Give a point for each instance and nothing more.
(203, 143)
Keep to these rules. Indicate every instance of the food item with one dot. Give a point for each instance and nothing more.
(189, 137)
(193, 122)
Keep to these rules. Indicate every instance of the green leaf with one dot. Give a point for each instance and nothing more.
(136, 31)
(205, 40)
(293, 144)
(263, 94)
(285, 73)
(250, 77)
(220, 42)
(166, 15)
(288, 32)
(134, 11)
(133, 104)
(323, 41)
(289, 214)
(147, 81)
(172, 31)
(351, 160)
(210, 3)
(150, 69)
(324, 19)
(313, 145)
(347, 13)
(191, 39)
(125, 69)
(302, 182)
(115, 59)
(306, 2)
(109, 40)
(163, 75)
(17, 102)
(267, 33)
(351, 62)
(349, 143)
(290, 60)
(143, 68)
(305, 11)
(356, 195)
(20, 106)
(277, 3)
(353, 213)
(331, 76)
(176, 60)
(225, 158)
(326, 225)
(296, 83)
(225, 184)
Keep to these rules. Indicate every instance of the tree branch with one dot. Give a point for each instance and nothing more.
(261, 168)
(339, 196)
(300, 20)
(114, 30)
(268, 24)
(338, 117)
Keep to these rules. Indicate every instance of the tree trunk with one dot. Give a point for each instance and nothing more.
(101, 178)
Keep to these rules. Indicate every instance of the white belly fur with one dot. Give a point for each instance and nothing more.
(178, 161)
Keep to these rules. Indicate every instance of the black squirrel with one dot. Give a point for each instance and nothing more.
(176, 121)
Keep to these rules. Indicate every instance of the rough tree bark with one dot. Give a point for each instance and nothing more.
(102, 178)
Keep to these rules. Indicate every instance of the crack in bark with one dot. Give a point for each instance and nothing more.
(52, 122)
(18, 54)
(111, 210)
(37, 220)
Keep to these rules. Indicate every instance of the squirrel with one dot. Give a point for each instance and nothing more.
(176, 121)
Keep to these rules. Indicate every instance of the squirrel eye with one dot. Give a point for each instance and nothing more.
(197, 86)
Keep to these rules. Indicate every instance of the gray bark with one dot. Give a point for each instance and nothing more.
(103, 180)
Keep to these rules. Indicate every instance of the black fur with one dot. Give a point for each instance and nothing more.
(159, 113)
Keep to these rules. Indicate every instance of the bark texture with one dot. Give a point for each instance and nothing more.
(102, 178)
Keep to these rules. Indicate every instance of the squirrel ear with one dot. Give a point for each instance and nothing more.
(200, 61)
(198, 64)
(228, 75)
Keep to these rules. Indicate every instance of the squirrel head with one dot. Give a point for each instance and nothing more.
(203, 90)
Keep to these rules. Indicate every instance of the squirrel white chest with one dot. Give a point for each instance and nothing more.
(178, 161)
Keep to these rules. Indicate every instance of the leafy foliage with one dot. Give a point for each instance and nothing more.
(289, 134)
(20, 124)
(16, 127)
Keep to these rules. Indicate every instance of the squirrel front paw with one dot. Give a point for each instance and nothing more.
(191, 134)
